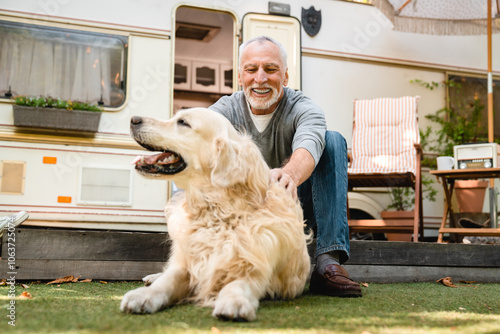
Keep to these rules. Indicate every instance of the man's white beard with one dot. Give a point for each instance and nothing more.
(259, 103)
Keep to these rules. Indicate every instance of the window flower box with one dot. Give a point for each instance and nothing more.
(52, 116)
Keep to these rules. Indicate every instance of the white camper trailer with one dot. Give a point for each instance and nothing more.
(152, 57)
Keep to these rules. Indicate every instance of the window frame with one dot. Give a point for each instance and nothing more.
(83, 29)
(81, 201)
(483, 96)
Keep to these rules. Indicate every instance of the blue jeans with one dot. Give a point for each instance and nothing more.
(324, 198)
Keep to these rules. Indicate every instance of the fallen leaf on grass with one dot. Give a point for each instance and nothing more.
(446, 281)
(364, 284)
(66, 279)
(25, 295)
(3, 282)
(87, 280)
(25, 286)
(489, 308)
(103, 282)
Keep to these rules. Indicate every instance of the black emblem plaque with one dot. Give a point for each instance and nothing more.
(311, 20)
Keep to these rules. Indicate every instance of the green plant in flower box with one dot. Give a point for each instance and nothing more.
(49, 102)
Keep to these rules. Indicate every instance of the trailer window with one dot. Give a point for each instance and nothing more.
(62, 63)
(463, 94)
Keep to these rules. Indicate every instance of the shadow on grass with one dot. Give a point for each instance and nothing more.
(384, 308)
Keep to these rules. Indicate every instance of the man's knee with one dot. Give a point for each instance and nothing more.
(334, 141)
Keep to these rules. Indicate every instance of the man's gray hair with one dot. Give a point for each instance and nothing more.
(260, 40)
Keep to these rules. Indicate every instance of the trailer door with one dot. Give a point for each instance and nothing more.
(285, 29)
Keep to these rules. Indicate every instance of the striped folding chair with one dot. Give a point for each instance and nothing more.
(386, 152)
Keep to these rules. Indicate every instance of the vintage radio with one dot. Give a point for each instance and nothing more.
(469, 156)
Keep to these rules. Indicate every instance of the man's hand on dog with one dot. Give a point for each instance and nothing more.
(284, 180)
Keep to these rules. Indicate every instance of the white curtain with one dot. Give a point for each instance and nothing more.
(44, 64)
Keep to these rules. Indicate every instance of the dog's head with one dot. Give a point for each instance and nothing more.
(196, 145)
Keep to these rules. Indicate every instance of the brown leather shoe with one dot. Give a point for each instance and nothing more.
(335, 282)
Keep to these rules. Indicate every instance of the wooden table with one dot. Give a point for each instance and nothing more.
(447, 178)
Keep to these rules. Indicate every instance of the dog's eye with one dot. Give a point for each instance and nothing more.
(183, 122)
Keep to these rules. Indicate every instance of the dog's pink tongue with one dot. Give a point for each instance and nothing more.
(136, 160)
(151, 159)
(162, 158)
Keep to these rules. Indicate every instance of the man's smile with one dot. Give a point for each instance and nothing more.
(261, 91)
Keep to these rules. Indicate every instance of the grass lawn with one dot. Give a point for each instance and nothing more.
(384, 308)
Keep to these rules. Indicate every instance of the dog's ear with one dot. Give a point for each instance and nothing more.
(239, 161)
(226, 166)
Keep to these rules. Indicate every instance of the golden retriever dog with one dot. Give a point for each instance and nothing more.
(236, 237)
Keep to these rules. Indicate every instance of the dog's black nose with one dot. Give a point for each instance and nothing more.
(136, 120)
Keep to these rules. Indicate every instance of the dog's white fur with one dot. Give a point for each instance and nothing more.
(236, 237)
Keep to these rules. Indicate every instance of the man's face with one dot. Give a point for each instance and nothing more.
(262, 75)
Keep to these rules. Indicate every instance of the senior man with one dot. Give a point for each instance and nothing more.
(305, 158)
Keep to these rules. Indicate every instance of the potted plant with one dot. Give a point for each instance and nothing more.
(51, 113)
(458, 123)
(402, 203)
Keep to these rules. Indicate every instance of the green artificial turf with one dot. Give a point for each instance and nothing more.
(384, 308)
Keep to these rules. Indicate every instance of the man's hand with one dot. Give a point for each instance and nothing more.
(298, 169)
(284, 180)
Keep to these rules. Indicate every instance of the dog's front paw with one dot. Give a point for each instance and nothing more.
(148, 280)
(144, 300)
(237, 308)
